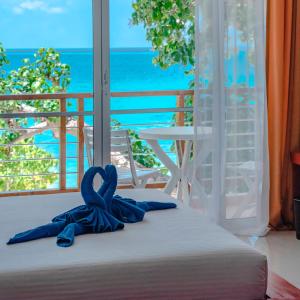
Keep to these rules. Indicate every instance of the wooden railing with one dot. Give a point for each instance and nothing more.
(76, 128)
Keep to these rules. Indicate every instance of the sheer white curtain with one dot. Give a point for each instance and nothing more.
(230, 182)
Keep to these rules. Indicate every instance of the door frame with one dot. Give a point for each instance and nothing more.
(101, 72)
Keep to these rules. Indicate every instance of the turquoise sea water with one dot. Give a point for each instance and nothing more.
(130, 71)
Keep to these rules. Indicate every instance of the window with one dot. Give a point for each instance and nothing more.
(47, 81)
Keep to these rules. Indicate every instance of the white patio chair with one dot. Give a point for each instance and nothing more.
(121, 146)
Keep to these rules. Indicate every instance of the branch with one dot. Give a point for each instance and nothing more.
(25, 133)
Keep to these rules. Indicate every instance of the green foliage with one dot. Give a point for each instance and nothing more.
(21, 160)
(3, 59)
(45, 74)
(3, 62)
(170, 27)
(142, 153)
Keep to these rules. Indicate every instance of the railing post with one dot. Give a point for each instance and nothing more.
(180, 115)
(180, 122)
(80, 149)
(63, 142)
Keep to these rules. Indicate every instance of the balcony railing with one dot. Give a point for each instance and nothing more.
(62, 129)
(37, 132)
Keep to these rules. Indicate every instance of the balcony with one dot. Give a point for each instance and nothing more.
(47, 152)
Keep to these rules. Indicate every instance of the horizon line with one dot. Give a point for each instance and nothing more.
(116, 49)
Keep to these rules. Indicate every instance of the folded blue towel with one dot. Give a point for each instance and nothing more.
(103, 211)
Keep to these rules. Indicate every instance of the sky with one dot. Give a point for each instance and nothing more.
(64, 24)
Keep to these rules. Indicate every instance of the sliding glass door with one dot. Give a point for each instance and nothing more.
(231, 177)
(101, 136)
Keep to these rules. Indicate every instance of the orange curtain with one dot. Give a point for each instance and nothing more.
(283, 89)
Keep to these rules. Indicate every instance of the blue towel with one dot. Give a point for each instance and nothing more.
(103, 211)
(125, 209)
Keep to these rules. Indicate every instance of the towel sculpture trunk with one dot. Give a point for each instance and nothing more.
(103, 211)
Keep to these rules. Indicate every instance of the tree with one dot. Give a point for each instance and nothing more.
(170, 27)
(18, 153)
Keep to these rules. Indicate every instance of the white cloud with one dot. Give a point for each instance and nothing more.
(36, 5)
(55, 10)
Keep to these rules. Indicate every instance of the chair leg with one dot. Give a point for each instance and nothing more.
(143, 183)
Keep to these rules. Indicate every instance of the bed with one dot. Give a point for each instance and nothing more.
(174, 254)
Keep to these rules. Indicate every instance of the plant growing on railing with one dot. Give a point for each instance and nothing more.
(142, 154)
(45, 74)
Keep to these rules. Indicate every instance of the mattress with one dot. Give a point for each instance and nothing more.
(173, 254)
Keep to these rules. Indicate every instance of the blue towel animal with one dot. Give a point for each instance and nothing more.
(103, 211)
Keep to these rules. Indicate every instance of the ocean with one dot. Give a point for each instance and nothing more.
(130, 70)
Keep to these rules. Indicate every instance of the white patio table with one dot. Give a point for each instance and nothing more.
(179, 172)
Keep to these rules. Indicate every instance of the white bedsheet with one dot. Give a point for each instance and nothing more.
(174, 254)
